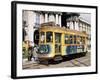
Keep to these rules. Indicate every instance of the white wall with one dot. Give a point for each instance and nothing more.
(5, 40)
(51, 17)
(41, 18)
(31, 22)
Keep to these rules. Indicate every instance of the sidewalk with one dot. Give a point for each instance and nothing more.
(89, 50)
(26, 62)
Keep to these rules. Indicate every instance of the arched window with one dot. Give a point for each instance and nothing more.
(37, 20)
(36, 36)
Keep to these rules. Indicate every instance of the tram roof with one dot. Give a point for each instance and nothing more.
(61, 30)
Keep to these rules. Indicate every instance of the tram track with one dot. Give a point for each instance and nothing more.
(78, 63)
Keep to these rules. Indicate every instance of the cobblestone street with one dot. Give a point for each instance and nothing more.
(74, 62)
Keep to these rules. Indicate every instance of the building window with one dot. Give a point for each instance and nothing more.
(24, 34)
(49, 37)
(24, 23)
(74, 25)
(37, 20)
(68, 24)
(36, 37)
(51, 18)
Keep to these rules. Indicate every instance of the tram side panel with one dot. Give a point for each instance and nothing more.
(68, 49)
(72, 49)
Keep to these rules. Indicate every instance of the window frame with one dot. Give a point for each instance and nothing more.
(41, 36)
(52, 37)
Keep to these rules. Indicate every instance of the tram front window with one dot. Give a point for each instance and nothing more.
(42, 38)
(49, 37)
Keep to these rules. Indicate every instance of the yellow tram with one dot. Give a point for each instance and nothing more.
(56, 42)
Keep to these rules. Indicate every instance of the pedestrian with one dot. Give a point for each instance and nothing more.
(30, 54)
(35, 55)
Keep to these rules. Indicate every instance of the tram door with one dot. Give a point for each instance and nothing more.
(57, 43)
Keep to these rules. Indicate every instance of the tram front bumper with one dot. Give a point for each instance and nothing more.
(44, 57)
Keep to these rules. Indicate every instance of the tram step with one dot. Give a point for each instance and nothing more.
(57, 58)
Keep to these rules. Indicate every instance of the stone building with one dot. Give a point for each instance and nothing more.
(75, 22)
(33, 19)
(86, 27)
(72, 21)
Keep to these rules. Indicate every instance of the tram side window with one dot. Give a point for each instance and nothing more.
(67, 39)
(42, 38)
(71, 39)
(49, 37)
(74, 39)
(83, 40)
(78, 39)
(57, 38)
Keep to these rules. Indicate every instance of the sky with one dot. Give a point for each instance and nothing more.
(86, 16)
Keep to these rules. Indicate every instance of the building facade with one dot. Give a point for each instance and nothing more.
(72, 22)
(32, 20)
(75, 22)
(86, 27)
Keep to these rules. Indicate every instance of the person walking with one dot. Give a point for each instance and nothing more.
(35, 55)
(30, 54)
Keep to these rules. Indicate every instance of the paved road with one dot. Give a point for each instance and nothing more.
(74, 62)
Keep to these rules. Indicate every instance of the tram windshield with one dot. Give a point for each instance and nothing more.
(42, 37)
(49, 37)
